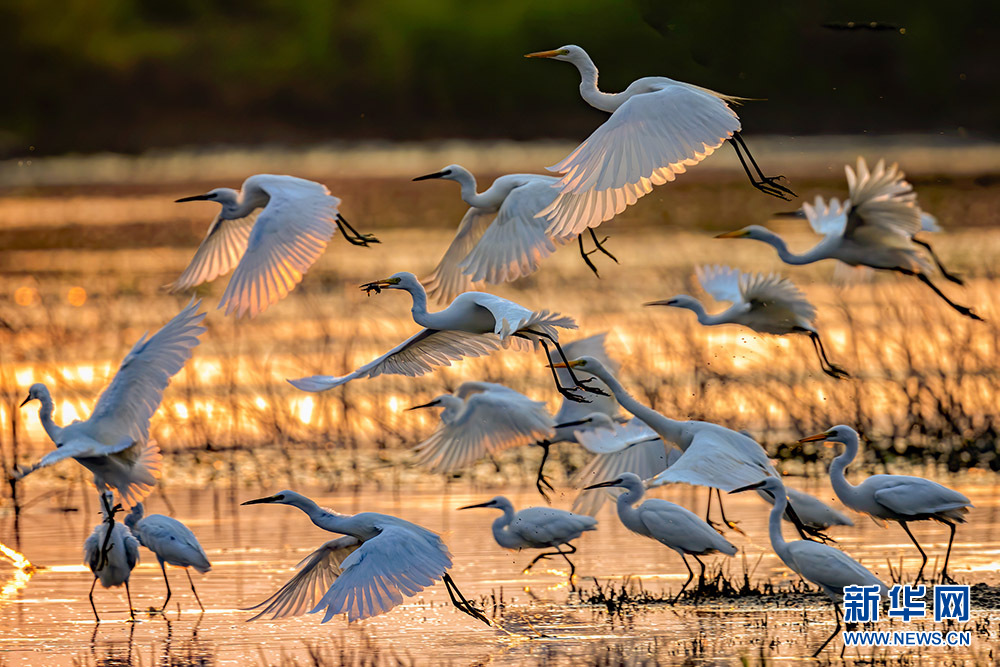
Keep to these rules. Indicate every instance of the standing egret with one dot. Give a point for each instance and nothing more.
(111, 553)
(380, 560)
(767, 304)
(829, 568)
(671, 525)
(272, 231)
(473, 325)
(658, 127)
(538, 528)
(502, 248)
(172, 542)
(899, 498)
(113, 443)
(874, 228)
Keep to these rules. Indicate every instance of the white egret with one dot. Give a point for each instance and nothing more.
(899, 498)
(874, 228)
(825, 566)
(658, 127)
(538, 528)
(172, 542)
(671, 525)
(113, 443)
(272, 231)
(381, 560)
(111, 552)
(767, 304)
(473, 325)
(499, 238)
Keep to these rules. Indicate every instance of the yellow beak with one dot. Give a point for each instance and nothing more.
(546, 54)
(814, 438)
(739, 233)
(572, 364)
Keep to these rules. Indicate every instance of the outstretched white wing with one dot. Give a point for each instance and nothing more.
(448, 280)
(646, 459)
(78, 447)
(125, 407)
(775, 294)
(489, 423)
(318, 571)
(607, 441)
(884, 203)
(722, 282)
(289, 236)
(718, 460)
(417, 355)
(827, 219)
(219, 252)
(647, 141)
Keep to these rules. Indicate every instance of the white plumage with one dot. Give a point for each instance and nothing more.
(113, 443)
(111, 558)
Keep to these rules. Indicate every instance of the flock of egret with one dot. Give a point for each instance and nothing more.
(275, 228)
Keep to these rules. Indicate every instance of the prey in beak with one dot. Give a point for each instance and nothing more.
(377, 285)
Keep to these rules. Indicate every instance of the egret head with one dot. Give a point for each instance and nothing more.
(135, 515)
(755, 232)
(36, 392)
(403, 280)
(570, 53)
(221, 195)
(842, 434)
(499, 502)
(452, 172)
(679, 301)
(627, 480)
(285, 497)
(586, 364)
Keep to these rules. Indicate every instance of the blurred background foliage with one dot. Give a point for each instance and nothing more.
(130, 75)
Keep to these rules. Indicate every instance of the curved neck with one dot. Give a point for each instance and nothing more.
(787, 256)
(500, 534)
(45, 416)
(335, 523)
(668, 429)
(774, 528)
(704, 318)
(249, 200)
(589, 91)
(838, 480)
(467, 182)
(419, 309)
(452, 407)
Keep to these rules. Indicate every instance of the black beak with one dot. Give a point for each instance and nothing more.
(488, 503)
(25, 402)
(194, 198)
(437, 174)
(258, 501)
(602, 485)
(749, 487)
(432, 404)
(790, 214)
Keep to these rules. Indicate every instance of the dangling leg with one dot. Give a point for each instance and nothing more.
(191, 581)
(460, 601)
(109, 519)
(690, 577)
(766, 184)
(806, 532)
(356, 239)
(162, 609)
(920, 574)
(964, 310)
(92, 606)
(701, 575)
(708, 513)
(599, 245)
(534, 560)
(565, 391)
(836, 616)
(830, 369)
(944, 272)
(586, 256)
(722, 511)
(565, 554)
(541, 480)
(947, 555)
(577, 382)
(128, 594)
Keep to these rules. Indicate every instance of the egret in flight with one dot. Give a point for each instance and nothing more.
(172, 542)
(113, 443)
(671, 525)
(829, 568)
(538, 528)
(380, 560)
(899, 498)
(874, 228)
(768, 304)
(272, 231)
(499, 238)
(111, 552)
(658, 128)
(473, 325)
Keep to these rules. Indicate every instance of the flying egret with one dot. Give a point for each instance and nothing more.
(671, 525)
(538, 528)
(473, 325)
(172, 542)
(272, 231)
(768, 304)
(899, 498)
(658, 127)
(874, 228)
(499, 238)
(380, 560)
(111, 553)
(713, 455)
(829, 568)
(113, 443)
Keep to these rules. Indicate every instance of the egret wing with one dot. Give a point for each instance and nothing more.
(829, 567)
(883, 202)
(645, 459)
(928, 223)
(722, 282)
(719, 461)
(448, 280)
(827, 219)
(219, 252)
(915, 496)
(79, 447)
(512, 318)
(607, 441)
(125, 407)
(290, 234)
(775, 293)
(417, 355)
(317, 573)
(172, 541)
(647, 141)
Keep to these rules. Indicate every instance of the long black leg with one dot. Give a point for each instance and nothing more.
(944, 272)
(540, 481)
(701, 575)
(722, 512)
(599, 245)
(829, 368)
(92, 605)
(460, 601)
(767, 184)
(586, 256)
(582, 384)
(944, 570)
(537, 558)
(163, 567)
(565, 391)
(109, 519)
(920, 574)
(128, 594)
(690, 577)
(836, 616)
(964, 310)
(187, 571)
(565, 554)
(356, 239)
(708, 513)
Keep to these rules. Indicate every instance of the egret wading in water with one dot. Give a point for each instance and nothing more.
(874, 228)
(380, 560)
(671, 525)
(899, 498)
(767, 304)
(538, 528)
(172, 542)
(499, 238)
(825, 566)
(658, 128)
(473, 325)
(111, 552)
(272, 230)
(113, 443)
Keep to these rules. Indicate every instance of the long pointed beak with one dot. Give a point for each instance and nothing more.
(665, 302)
(25, 402)
(544, 54)
(739, 233)
(572, 364)
(432, 404)
(488, 503)
(815, 438)
(601, 485)
(193, 198)
(377, 285)
(436, 174)
(790, 214)
(749, 487)
(258, 501)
